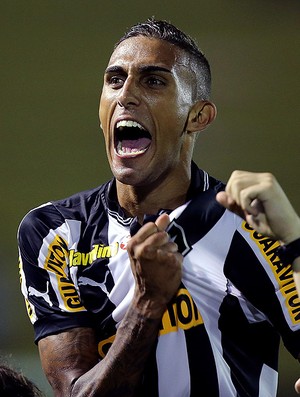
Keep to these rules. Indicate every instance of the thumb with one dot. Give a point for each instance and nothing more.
(227, 201)
(222, 198)
(162, 222)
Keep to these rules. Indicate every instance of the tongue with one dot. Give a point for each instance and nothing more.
(137, 144)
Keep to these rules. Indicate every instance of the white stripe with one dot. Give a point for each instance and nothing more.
(24, 290)
(202, 267)
(119, 266)
(270, 272)
(268, 382)
(205, 181)
(114, 214)
(173, 365)
(70, 232)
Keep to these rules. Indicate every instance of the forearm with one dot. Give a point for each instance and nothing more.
(154, 259)
(119, 373)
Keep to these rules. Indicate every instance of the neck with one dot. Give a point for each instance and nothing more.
(141, 200)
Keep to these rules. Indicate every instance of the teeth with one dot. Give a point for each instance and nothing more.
(128, 152)
(129, 123)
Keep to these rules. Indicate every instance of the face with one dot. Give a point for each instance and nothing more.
(144, 107)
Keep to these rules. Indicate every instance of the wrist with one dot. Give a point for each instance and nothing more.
(296, 266)
(289, 253)
(293, 234)
(149, 308)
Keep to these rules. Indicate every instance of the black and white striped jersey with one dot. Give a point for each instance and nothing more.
(219, 336)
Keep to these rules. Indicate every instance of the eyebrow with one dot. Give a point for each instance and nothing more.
(142, 69)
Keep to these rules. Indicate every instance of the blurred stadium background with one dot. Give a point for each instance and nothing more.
(53, 53)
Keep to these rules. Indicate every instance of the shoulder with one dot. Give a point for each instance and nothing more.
(202, 181)
(37, 217)
(215, 184)
(79, 203)
(53, 214)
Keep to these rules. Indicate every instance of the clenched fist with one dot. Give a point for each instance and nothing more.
(156, 265)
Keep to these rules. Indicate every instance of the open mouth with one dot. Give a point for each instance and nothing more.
(131, 139)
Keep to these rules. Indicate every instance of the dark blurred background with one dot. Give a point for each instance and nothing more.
(52, 57)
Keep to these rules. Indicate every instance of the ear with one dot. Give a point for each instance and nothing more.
(200, 116)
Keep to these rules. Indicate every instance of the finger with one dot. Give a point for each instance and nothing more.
(145, 231)
(242, 186)
(249, 200)
(166, 257)
(226, 200)
(223, 199)
(148, 247)
(297, 386)
(166, 252)
(257, 207)
(141, 236)
(245, 192)
(235, 185)
(162, 222)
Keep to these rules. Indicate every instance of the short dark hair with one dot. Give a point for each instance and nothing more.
(15, 384)
(163, 30)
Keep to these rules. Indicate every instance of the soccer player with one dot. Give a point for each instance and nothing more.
(147, 285)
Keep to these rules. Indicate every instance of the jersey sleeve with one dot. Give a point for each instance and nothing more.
(48, 284)
(266, 282)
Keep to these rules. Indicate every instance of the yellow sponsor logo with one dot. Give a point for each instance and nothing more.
(59, 259)
(182, 313)
(28, 305)
(56, 262)
(29, 309)
(283, 274)
(99, 251)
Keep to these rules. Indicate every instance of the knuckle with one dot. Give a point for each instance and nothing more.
(270, 178)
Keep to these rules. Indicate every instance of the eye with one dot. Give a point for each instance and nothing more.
(154, 81)
(115, 81)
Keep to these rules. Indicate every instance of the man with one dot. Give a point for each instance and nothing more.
(147, 286)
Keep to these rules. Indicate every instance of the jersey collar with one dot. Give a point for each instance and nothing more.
(199, 182)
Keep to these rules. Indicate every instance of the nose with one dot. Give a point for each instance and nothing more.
(129, 94)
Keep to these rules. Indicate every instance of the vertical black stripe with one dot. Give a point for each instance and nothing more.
(149, 386)
(248, 345)
(203, 373)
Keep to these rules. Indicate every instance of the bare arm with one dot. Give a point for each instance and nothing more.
(70, 359)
